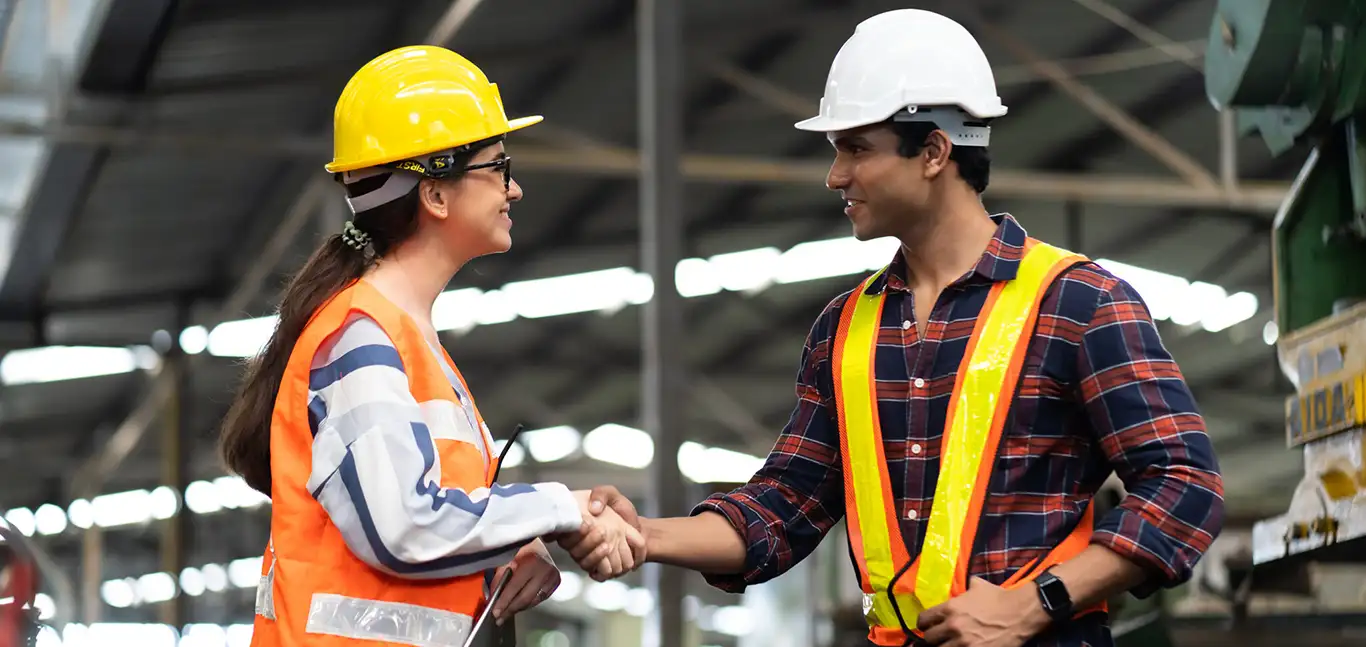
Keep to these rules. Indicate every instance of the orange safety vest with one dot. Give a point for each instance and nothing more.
(896, 589)
(313, 590)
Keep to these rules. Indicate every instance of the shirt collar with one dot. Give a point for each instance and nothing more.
(1000, 261)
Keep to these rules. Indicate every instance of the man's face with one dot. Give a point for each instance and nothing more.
(881, 188)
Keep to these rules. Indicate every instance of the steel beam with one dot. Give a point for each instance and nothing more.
(788, 102)
(1185, 53)
(455, 17)
(1180, 52)
(121, 51)
(775, 96)
(1081, 66)
(92, 574)
(620, 162)
(42, 223)
(793, 104)
(660, 83)
(174, 473)
(1101, 41)
(1261, 197)
(1115, 116)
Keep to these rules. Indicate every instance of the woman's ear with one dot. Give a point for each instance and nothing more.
(432, 198)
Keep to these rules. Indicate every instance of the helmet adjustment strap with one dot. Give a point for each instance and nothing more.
(963, 129)
(395, 186)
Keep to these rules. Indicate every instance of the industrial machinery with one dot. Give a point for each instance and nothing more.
(1294, 72)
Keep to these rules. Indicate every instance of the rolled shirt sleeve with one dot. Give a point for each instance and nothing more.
(789, 505)
(1151, 432)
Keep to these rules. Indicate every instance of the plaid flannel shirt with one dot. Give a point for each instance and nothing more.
(1099, 393)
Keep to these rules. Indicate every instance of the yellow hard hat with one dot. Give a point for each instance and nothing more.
(413, 101)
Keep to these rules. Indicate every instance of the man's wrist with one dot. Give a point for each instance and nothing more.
(1036, 618)
(650, 533)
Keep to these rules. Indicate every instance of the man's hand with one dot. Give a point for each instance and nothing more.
(985, 615)
(606, 496)
(610, 543)
(534, 578)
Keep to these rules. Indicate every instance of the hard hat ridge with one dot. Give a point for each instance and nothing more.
(415, 101)
(900, 63)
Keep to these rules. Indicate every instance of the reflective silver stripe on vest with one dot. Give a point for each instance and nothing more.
(406, 624)
(265, 589)
(265, 592)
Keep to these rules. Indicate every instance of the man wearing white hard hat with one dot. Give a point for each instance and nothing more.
(961, 407)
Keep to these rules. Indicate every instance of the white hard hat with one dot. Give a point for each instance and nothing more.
(910, 64)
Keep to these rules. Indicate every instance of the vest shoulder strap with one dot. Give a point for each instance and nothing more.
(897, 587)
(983, 393)
(424, 368)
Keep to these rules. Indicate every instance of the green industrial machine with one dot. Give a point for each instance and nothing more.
(1294, 72)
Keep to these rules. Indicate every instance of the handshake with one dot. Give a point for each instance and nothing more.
(609, 543)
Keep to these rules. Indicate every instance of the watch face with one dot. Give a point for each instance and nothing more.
(1054, 595)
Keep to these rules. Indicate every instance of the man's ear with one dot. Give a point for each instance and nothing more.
(432, 199)
(936, 153)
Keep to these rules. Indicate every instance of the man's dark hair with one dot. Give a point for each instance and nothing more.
(974, 162)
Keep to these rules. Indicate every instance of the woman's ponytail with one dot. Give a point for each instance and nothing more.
(244, 440)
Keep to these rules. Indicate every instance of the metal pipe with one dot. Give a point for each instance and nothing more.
(173, 462)
(660, 114)
(1228, 150)
(92, 574)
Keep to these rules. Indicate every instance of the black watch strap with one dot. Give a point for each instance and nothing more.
(1057, 602)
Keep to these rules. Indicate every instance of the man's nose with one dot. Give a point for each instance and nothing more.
(837, 179)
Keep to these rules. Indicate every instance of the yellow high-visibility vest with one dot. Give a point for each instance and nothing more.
(896, 588)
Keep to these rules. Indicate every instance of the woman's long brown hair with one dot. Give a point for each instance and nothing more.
(244, 440)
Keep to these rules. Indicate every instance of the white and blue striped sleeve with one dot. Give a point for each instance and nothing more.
(376, 471)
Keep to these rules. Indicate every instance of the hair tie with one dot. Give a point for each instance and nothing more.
(354, 237)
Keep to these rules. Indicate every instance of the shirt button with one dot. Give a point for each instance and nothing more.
(906, 325)
(919, 382)
(915, 448)
(911, 515)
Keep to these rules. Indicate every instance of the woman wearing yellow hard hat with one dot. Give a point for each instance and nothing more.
(386, 524)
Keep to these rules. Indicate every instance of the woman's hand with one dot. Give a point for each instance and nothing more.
(606, 546)
(534, 578)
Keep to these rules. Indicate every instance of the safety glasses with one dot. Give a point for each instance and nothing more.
(439, 167)
(504, 163)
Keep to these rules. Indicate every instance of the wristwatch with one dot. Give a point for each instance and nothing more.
(1053, 594)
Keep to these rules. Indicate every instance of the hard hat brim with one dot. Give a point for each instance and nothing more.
(522, 122)
(824, 124)
(352, 165)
